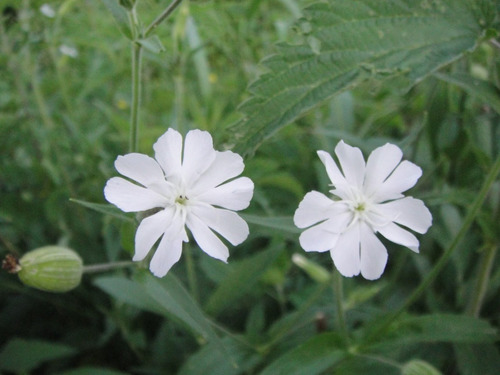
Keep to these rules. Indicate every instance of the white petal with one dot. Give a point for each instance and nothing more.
(129, 197)
(227, 223)
(312, 209)
(345, 254)
(149, 231)
(168, 153)
(167, 254)
(352, 163)
(336, 177)
(380, 164)
(234, 195)
(373, 254)
(409, 212)
(318, 238)
(206, 239)
(140, 168)
(404, 177)
(226, 165)
(199, 154)
(400, 236)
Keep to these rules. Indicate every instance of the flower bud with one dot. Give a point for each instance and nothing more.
(51, 268)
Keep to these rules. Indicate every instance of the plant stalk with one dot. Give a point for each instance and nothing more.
(163, 16)
(477, 297)
(103, 267)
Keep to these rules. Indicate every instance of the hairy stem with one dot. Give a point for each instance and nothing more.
(103, 267)
(162, 17)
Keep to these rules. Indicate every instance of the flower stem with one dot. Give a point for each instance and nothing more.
(339, 305)
(136, 96)
(438, 267)
(163, 16)
(102, 267)
(483, 279)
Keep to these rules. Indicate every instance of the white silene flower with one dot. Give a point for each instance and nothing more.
(48, 11)
(186, 184)
(367, 199)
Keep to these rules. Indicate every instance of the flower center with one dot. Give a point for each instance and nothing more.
(181, 199)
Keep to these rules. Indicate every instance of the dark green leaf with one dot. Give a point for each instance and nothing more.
(472, 359)
(349, 42)
(20, 355)
(241, 279)
(312, 357)
(483, 90)
(152, 44)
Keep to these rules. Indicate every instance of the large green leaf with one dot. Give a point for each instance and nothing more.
(347, 42)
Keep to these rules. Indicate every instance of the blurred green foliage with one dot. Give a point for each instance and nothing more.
(64, 115)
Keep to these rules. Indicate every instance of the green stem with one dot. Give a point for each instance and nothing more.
(424, 285)
(479, 291)
(102, 267)
(339, 304)
(163, 16)
(136, 96)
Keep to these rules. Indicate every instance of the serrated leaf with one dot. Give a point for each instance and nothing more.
(312, 357)
(354, 41)
(120, 16)
(483, 90)
(22, 356)
(103, 208)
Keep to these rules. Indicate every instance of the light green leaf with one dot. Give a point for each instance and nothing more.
(241, 279)
(120, 16)
(419, 367)
(312, 357)
(22, 356)
(483, 90)
(152, 44)
(282, 223)
(349, 42)
(104, 208)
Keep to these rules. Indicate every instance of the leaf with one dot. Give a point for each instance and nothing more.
(120, 16)
(22, 356)
(419, 367)
(283, 223)
(475, 359)
(445, 328)
(152, 44)
(103, 208)
(483, 90)
(241, 279)
(91, 371)
(210, 359)
(349, 42)
(129, 292)
(312, 357)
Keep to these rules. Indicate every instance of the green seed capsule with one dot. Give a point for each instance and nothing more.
(51, 268)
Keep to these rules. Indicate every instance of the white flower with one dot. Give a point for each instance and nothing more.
(367, 200)
(184, 185)
(68, 51)
(48, 11)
